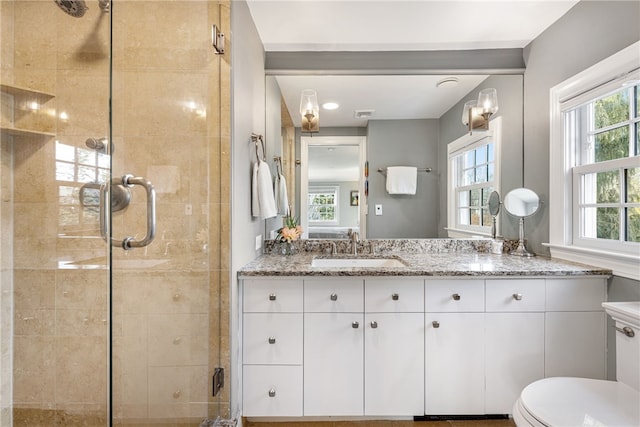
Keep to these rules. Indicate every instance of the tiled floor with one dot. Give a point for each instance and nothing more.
(452, 423)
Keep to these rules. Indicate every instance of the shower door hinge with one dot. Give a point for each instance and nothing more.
(218, 380)
(217, 39)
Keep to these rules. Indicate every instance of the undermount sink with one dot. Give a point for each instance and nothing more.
(357, 262)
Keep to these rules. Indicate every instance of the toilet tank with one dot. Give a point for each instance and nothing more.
(627, 323)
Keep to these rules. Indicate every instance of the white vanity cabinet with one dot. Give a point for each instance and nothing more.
(333, 346)
(272, 347)
(514, 339)
(394, 346)
(455, 347)
(390, 346)
(575, 328)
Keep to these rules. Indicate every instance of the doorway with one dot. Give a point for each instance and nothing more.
(332, 186)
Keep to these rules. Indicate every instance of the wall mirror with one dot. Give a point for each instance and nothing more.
(406, 120)
(521, 203)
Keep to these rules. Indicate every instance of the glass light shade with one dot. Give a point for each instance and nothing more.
(488, 101)
(309, 111)
(309, 102)
(465, 111)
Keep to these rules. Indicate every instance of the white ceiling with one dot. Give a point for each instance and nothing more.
(383, 25)
(393, 25)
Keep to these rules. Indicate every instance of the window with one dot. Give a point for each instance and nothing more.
(76, 166)
(594, 203)
(606, 177)
(323, 205)
(473, 176)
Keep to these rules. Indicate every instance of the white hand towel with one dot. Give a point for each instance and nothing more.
(265, 192)
(282, 198)
(255, 201)
(402, 179)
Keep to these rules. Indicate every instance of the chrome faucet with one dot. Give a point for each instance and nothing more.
(354, 242)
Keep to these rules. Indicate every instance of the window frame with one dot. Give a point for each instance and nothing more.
(466, 143)
(601, 78)
(325, 189)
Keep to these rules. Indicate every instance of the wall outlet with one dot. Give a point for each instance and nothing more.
(258, 241)
(378, 209)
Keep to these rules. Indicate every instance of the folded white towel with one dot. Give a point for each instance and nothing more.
(402, 179)
(282, 198)
(255, 201)
(265, 192)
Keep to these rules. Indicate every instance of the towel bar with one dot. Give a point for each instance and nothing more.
(383, 171)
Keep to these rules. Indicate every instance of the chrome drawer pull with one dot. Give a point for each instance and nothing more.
(272, 297)
(517, 297)
(374, 324)
(334, 297)
(272, 340)
(395, 297)
(272, 393)
(355, 325)
(627, 331)
(435, 324)
(456, 297)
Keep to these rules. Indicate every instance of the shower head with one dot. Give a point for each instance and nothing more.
(75, 8)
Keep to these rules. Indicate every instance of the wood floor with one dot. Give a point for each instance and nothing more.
(452, 423)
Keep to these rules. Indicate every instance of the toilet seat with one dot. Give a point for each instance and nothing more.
(570, 402)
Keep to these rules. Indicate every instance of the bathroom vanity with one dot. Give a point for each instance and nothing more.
(451, 333)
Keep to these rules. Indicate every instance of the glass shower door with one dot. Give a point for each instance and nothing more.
(94, 333)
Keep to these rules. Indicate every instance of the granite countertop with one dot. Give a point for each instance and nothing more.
(463, 262)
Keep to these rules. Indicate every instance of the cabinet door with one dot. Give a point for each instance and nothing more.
(575, 344)
(269, 391)
(514, 357)
(333, 364)
(455, 364)
(394, 364)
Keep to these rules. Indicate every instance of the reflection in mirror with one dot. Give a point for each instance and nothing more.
(398, 135)
(330, 190)
(522, 203)
(494, 210)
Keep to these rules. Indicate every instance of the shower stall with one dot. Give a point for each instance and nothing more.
(114, 212)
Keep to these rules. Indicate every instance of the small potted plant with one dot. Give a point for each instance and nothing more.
(289, 232)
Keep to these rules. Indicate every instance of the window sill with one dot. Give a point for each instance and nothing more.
(454, 233)
(621, 264)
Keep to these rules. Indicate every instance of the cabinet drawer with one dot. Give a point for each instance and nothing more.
(394, 295)
(576, 294)
(515, 295)
(333, 295)
(272, 338)
(272, 391)
(272, 295)
(458, 295)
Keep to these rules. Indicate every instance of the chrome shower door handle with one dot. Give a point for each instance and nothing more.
(130, 242)
(128, 181)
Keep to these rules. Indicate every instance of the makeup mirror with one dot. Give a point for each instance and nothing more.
(521, 203)
(494, 210)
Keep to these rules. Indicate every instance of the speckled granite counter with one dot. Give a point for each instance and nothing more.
(446, 257)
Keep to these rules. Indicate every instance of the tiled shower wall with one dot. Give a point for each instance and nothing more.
(171, 123)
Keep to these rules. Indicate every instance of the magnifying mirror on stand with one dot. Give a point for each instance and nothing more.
(494, 210)
(521, 203)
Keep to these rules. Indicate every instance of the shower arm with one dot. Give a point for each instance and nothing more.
(129, 242)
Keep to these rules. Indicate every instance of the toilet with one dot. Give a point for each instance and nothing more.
(573, 402)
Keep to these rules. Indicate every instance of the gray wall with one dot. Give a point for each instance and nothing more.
(403, 143)
(273, 139)
(248, 94)
(510, 94)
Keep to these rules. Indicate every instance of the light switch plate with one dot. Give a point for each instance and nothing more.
(258, 241)
(378, 209)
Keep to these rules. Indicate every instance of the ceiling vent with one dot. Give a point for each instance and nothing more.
(363, 114)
